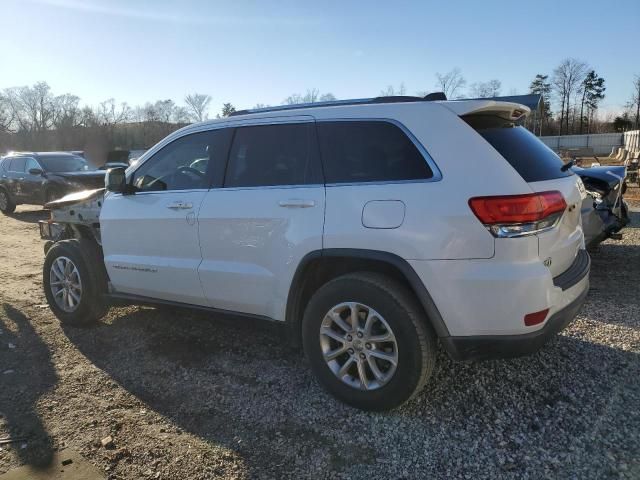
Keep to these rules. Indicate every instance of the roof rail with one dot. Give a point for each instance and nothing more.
(334, 103)
(20, 152)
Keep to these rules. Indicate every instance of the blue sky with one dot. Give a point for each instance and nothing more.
(260, 52)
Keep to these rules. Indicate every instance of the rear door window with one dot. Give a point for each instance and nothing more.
(17, 165)
(273, 155)
(532, 159)
(369, 151)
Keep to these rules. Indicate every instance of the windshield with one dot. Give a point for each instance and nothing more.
(60, 163)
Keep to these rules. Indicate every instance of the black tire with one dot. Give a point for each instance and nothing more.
(6, 204)
(416, 340)
(87, 258)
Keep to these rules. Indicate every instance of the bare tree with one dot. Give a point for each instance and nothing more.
(486, 89)
(391, 91)
(313, 95)
(67, 111)
(567, 78)
(6, 115)
(198, 105)
(635, 100)
(110, 113)
(451, 83)
(32, 107)
(327, 97)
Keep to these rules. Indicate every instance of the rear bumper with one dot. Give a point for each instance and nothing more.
(484, 347)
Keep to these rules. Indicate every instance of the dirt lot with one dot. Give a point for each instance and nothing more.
(188, 396)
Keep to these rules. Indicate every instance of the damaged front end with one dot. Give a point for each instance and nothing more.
(604, 211)
(73, 216)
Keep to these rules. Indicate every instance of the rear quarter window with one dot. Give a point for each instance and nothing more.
(532, 159)
(369, 151)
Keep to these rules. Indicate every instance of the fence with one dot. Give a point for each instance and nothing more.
(632, 140)
(601, 143)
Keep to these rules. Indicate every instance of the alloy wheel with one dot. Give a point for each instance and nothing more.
(358, 346)
(65, 284)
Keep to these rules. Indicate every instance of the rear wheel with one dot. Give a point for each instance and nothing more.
(367, 341)
(74, 283)
(6, 205)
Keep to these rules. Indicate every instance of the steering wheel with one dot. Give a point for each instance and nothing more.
(186, 169)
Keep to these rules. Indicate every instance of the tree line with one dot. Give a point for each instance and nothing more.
(34, 118)
(571, 95)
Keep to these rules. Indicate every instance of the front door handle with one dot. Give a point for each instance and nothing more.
(296, 203)
(180, 206)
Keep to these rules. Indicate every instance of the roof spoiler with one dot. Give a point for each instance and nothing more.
(532, 100)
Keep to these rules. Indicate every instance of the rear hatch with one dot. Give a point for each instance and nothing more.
(542, 169)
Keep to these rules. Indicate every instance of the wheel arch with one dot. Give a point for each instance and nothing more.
(318, 267)
(50, 187)
(6, 190)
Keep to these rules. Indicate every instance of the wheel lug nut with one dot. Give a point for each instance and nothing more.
(362, 356)
(359, 334)
(349, 337)
(367, 346)
(350, 351)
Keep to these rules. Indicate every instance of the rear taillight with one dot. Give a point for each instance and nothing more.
(518, 215)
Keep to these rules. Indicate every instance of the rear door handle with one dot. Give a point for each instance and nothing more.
(180, 206)
(296, 203)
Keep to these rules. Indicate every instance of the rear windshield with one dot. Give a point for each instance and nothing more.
(531, 158)
(60, 163)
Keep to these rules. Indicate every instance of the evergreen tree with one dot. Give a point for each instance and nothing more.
(541, 86)
(227, 109)
(592, 92)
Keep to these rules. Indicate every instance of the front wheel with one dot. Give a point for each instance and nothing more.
(6, 205)
(368, 341)
(74, 282)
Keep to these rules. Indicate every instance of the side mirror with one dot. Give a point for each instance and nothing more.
(115, 180)
(36, 171)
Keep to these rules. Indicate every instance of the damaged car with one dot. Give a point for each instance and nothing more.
(353, 224)
(604, 210)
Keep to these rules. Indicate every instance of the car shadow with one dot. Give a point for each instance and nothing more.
(26, 373)
(30, 216)
(234, 385)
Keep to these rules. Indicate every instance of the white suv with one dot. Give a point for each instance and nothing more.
(372, 228)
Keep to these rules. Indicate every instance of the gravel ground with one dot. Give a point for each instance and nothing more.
(185, 395)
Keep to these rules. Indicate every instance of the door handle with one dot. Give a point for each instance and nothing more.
(180, 206)
(296, 203)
